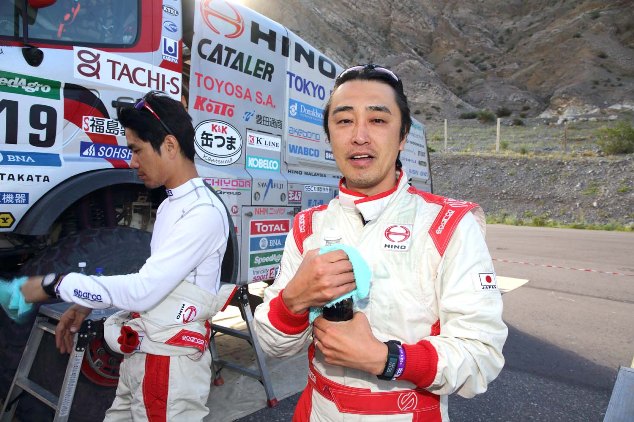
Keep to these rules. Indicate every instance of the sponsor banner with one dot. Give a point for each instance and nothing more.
(317, 189)
(222, 88)
(268, 227)
(265, 259)
(218, 142)
(34, 159)
(170, 49)
(262, 163)
(229, 184)
(261, 274)
(315, 202)
(23, 177)
(268, 121)
(263, 141)
(16, 83)
(117, 152)
(294, 196)
(306, 86)
(305, 135)
(92, 124)
(169, 10)
(214, 107)
(6, 220)
(14, 198)
(111, 69)
(270, 210)
(170, 26)
(305, 112)
(328, 155)
(305, 151)
(257, 244)
(236, 60)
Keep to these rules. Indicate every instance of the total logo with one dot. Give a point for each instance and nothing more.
(397, 237)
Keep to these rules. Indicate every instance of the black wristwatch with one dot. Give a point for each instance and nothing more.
(49, 282)
(392, 360)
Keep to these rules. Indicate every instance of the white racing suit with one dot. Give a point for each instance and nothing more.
(433, 289)
(164, 330)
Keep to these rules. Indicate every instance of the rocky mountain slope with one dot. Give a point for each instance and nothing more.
(584, 191)
(536, 57)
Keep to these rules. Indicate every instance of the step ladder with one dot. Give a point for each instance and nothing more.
(22, 384)
(241, 299)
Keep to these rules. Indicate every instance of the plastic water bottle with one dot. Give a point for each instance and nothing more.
(342, 310)
(331, 236)
(82, 267)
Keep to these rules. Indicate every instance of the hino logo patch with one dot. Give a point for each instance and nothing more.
(397, 237)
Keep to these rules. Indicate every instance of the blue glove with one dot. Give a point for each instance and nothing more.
(362, 277)
(12, 299)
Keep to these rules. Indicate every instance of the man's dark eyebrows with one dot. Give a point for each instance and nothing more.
(341, 109)
(380, 108)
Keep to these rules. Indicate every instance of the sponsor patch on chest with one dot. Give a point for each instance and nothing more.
(397, 237)
(485, 281)
(186, 313)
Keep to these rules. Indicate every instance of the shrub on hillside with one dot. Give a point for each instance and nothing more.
(616, 140)
(486, 116)
(468, 115)
(503, 112)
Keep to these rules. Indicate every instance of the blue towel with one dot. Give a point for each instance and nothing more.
(12, 299)
(362, 277)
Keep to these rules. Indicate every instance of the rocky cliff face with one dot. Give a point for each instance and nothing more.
(536, 57)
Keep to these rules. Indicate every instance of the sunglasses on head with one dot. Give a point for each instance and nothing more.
(142, 104)
(376, 68)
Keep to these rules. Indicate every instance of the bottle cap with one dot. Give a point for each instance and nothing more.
(331, 236)
(82, 264)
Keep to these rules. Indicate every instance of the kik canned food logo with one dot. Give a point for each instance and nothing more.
(218, 142)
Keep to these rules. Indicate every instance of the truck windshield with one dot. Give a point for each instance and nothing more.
(77, 22)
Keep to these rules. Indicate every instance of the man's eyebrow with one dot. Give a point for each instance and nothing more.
(380, 108)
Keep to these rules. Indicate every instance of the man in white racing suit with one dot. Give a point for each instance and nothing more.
(164, 329)
(432, 324)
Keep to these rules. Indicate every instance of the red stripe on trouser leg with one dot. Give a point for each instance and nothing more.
(304, 405)
(156, 387)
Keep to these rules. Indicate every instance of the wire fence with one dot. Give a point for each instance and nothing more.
(521, 136)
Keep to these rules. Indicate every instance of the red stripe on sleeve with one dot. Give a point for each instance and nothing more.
(421, 363)
(284, 320)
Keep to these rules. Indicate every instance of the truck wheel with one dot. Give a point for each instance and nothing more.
(119, 250)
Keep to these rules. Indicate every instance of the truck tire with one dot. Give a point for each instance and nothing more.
(119, 250)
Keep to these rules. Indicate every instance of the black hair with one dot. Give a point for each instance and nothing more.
(149, 128)
(372, 72)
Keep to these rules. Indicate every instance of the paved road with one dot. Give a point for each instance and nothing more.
(570, 327)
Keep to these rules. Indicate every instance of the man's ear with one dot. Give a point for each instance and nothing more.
(401, 145)
(171, 145)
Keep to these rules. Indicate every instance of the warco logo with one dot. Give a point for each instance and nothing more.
(222, 18)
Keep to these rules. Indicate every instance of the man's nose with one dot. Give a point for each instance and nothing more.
(360, 135)
(134, 162)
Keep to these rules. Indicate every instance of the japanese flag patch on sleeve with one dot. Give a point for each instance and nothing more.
(485, 281)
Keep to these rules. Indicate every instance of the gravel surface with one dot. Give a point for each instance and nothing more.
(536, 189)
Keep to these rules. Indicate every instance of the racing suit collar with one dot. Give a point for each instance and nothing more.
(370, 207)
(184, 189)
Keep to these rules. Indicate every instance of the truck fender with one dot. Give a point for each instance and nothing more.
(38, 220)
